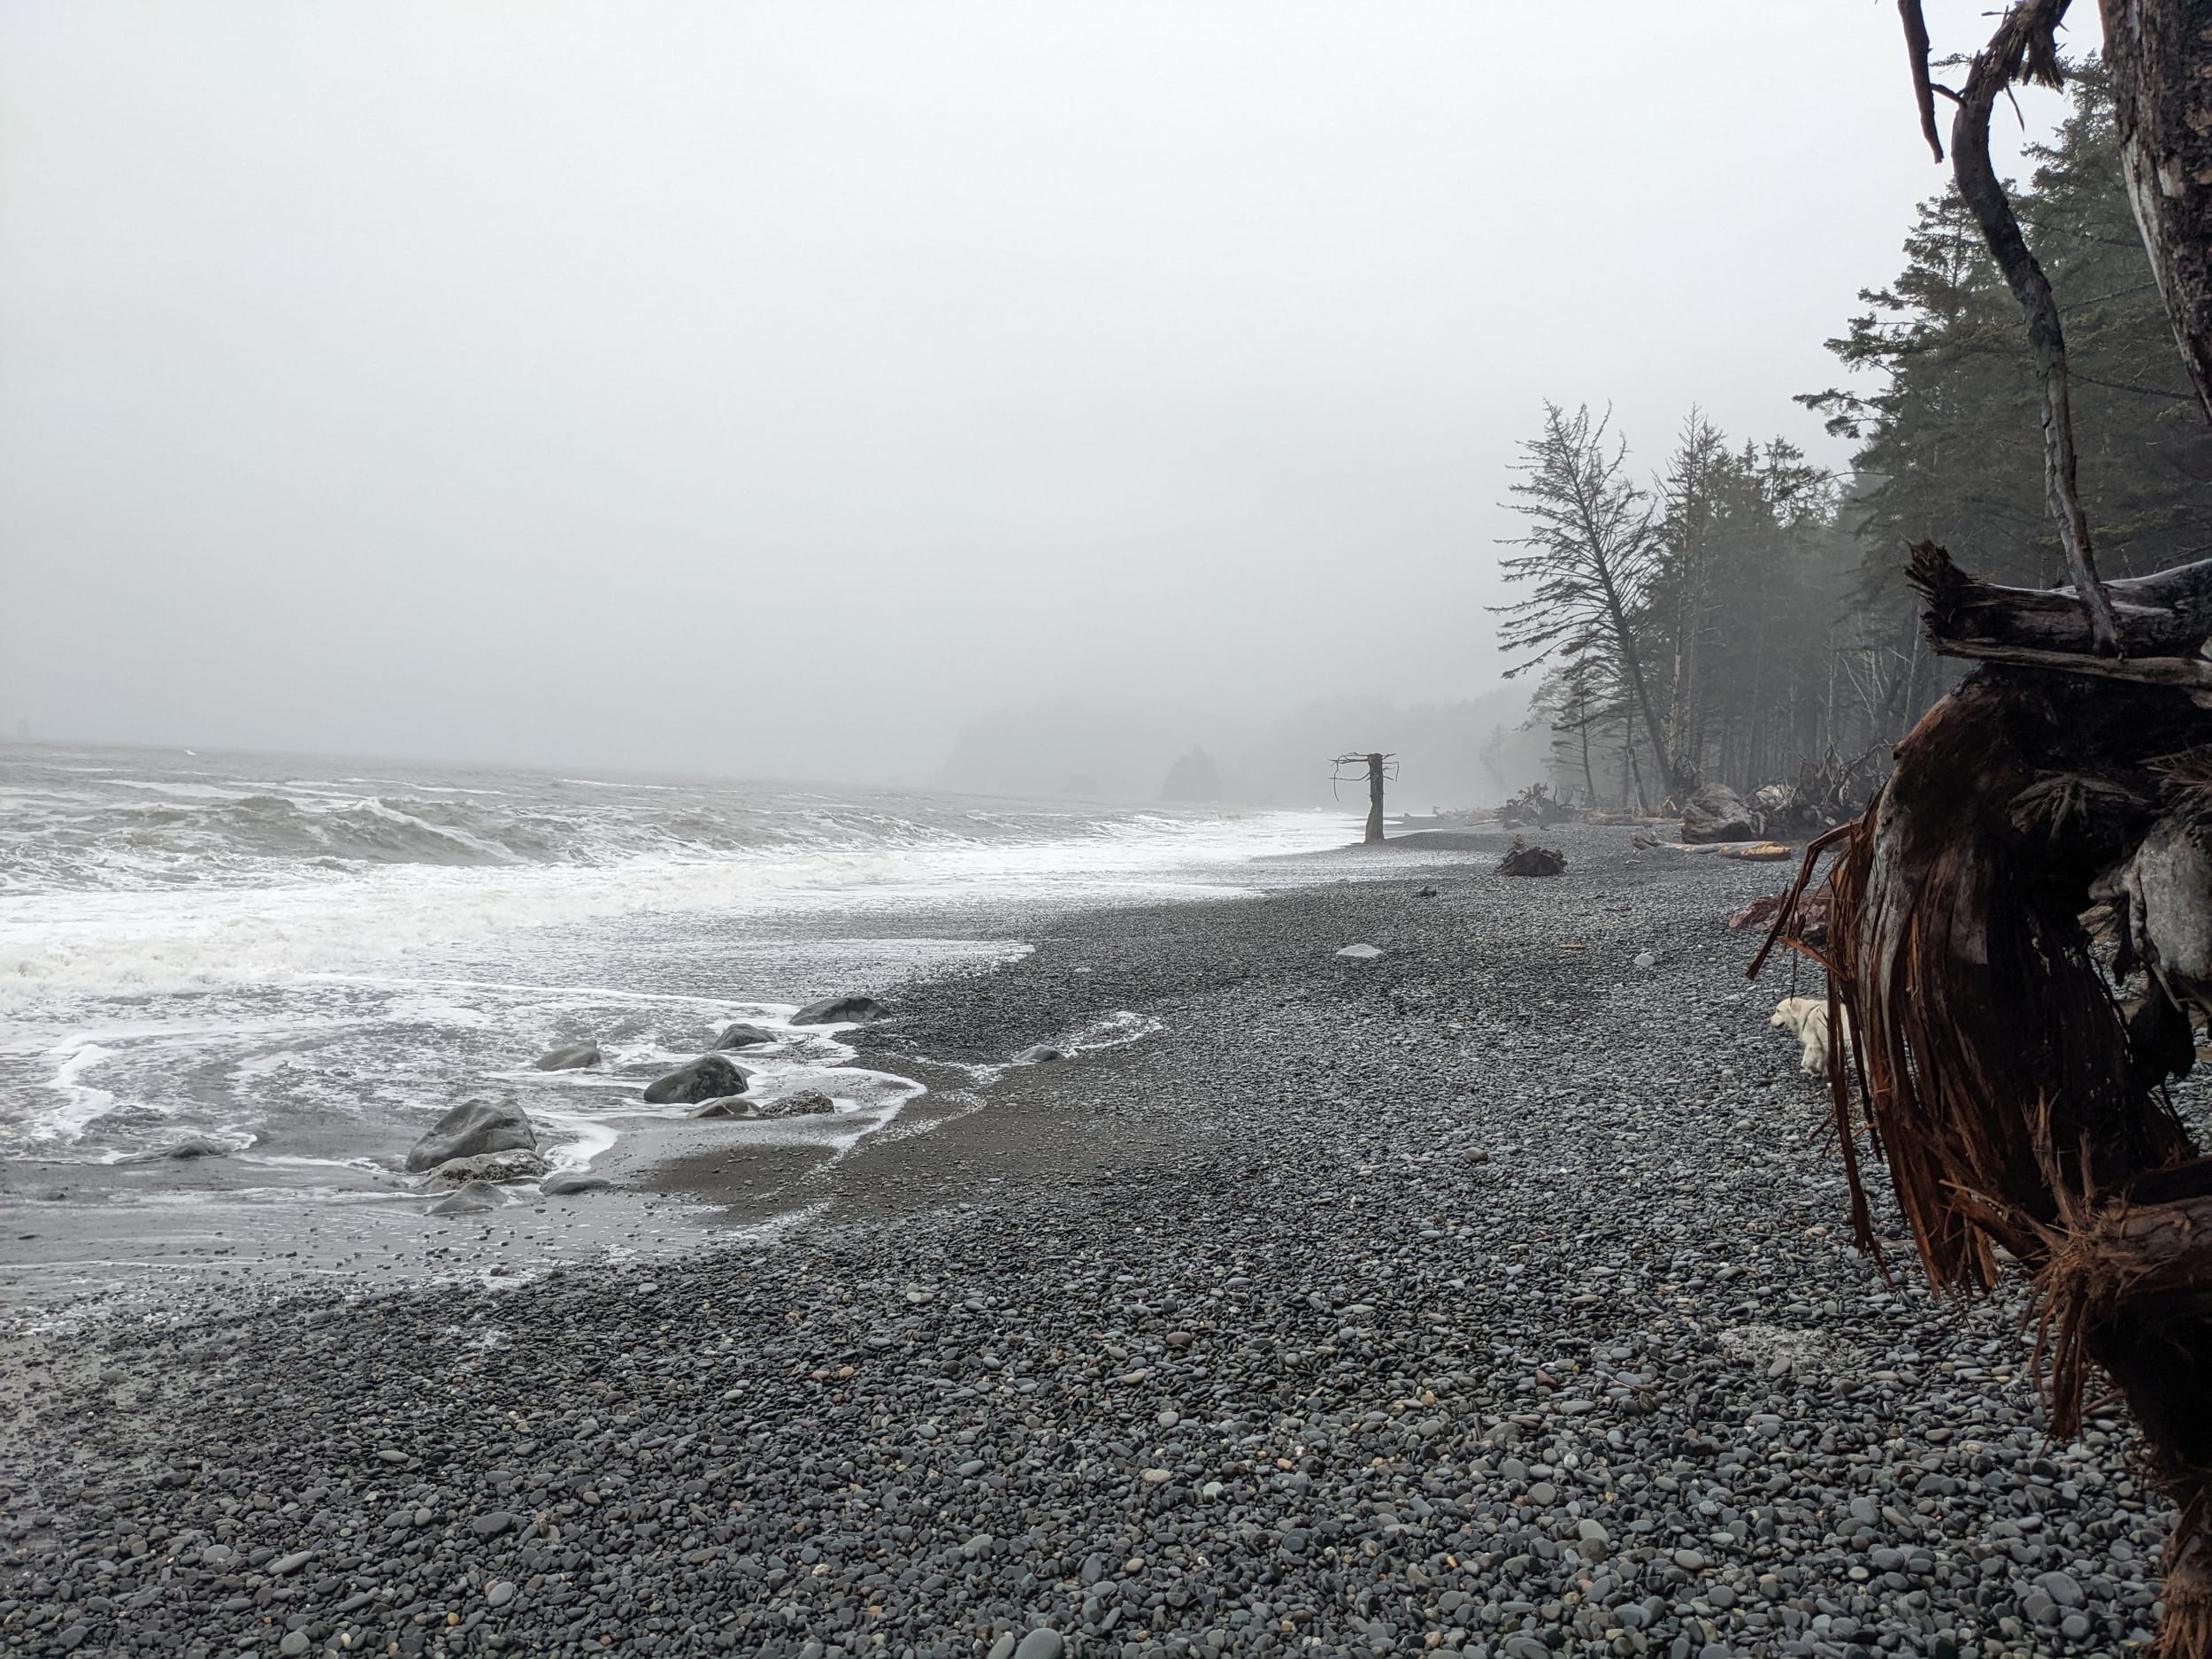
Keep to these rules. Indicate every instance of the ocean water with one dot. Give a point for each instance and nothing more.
(306, 961)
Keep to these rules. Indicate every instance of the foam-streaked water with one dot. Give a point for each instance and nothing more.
(308, 960)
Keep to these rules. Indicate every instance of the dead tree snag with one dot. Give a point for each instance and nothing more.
(1376, 766)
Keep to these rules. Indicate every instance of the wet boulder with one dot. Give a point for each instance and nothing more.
(742, 1035)
(709, 1077)
(841, 1011)
(473, 1128)
(1039, 1054)
(574, 1057)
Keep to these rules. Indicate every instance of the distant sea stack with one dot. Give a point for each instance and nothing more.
(1193, 778)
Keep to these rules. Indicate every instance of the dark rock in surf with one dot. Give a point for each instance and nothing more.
(744, 1036)
(574, 1057)
(709, 1077)
(1718, 813)
(471, 1129)
(841, 1011)
(1039, 1054)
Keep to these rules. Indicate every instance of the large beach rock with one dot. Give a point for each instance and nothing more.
(473, 1128)
(744, 1036)
(1718, 813)
(709, 1077)
(574, 1057)
(572, 1181)
(491, 1166)
(841, 1011)
(1039, 1054)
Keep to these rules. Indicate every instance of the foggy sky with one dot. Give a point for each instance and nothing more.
(751, 387)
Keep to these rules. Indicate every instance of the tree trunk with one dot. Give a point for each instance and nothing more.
(2159, 54)
(1374, 799)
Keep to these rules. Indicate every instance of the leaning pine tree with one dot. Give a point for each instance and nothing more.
(1591, 551)
(2047, 835)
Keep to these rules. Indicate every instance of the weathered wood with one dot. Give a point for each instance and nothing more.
(2159, 56)
(2169, 614)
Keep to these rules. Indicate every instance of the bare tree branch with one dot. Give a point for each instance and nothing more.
(1923, 89)
(2025, 48)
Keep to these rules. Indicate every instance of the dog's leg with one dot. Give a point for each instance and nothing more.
(1815, 1038)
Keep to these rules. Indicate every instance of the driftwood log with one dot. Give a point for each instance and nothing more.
(2021, 922)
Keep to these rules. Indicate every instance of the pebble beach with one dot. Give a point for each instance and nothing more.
(1492, 1295)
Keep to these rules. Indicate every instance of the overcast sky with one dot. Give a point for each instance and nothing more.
(769, 388)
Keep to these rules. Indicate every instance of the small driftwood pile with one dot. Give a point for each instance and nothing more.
(1524, 860)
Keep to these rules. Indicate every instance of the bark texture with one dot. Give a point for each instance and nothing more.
(2158, 53)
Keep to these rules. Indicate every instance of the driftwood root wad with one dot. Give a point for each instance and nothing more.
(2013, 1099)
(1524, 860)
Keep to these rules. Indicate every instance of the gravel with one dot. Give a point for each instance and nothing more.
(1492, 1295)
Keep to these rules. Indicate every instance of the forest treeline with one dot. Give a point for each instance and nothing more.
(1742, 615)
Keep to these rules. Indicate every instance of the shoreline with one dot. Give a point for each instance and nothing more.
(1489, 1296)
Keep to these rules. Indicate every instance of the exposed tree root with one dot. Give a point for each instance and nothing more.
(2011, 1099)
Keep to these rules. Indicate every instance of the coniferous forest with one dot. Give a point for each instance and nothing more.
(1738, 615)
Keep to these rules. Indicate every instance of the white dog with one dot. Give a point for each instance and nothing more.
(1807, 1018)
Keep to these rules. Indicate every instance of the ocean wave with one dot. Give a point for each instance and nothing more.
(68, 827)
